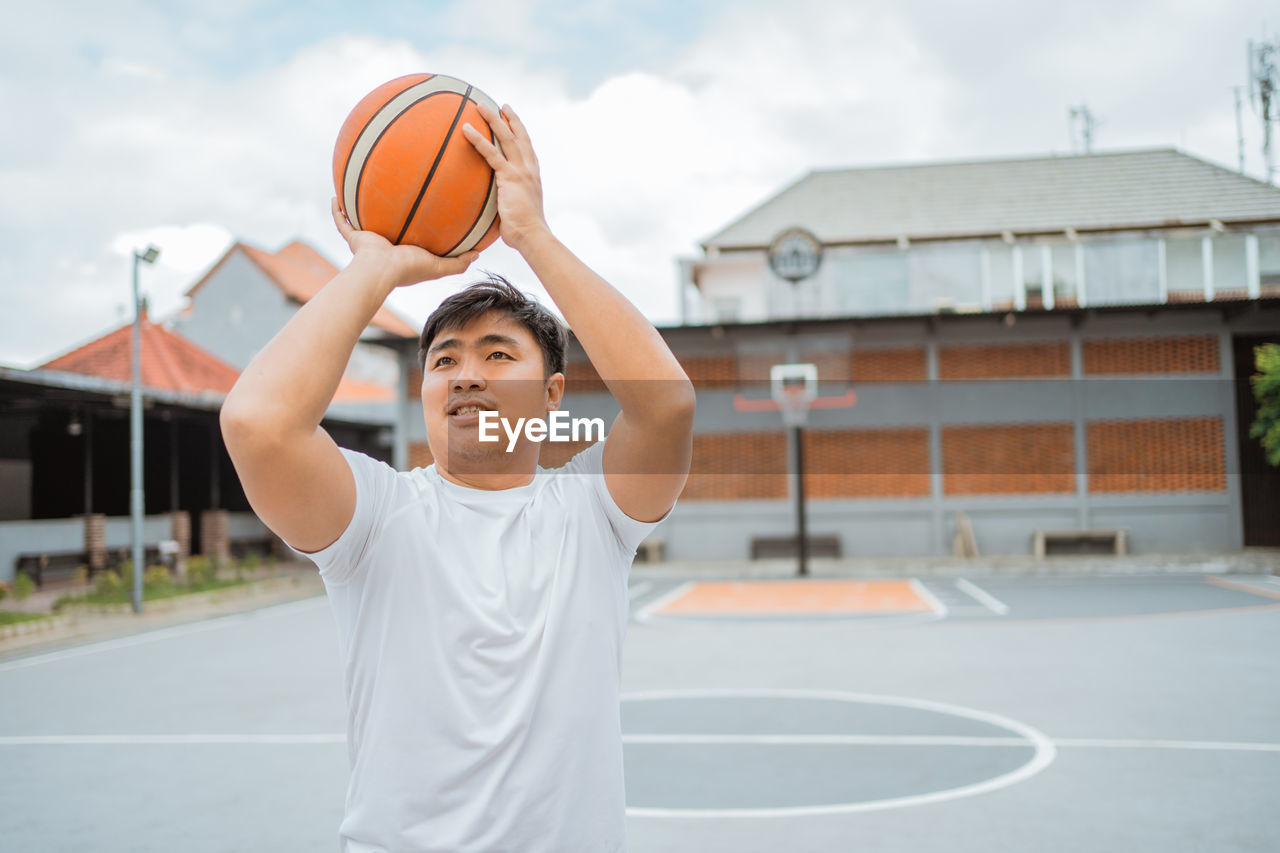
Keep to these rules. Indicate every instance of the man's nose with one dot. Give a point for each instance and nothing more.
(469, 378)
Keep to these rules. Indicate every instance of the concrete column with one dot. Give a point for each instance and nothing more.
(95, 541)
(215, 538)
(180, 532)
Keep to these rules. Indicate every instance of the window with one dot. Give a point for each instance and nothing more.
(873, 282)
(1119, 272)
(944, 274)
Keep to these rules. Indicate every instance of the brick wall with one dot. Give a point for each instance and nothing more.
(580, 377)
(1008, 460)
(1195, 354)
(711, 371)
(867, 463)
(737, 466)
(1004, 361)
(1166, 455)
(907, 364)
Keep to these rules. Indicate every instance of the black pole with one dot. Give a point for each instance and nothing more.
(803, 534)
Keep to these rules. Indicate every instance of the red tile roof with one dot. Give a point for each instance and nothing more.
(170, 362)
(300, 271)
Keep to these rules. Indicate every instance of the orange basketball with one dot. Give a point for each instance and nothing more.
(403, 169)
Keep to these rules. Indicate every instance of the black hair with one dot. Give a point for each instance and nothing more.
(495, 293)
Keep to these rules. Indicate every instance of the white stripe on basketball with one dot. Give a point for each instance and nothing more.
(382, 119)
(490, 211)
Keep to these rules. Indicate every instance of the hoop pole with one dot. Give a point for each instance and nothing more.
(801, 528)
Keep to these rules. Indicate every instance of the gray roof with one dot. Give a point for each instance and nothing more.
(1108, 191)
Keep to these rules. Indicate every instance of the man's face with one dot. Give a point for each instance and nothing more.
(492, 363)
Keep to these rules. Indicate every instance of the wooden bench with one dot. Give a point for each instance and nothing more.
(651, 551)
(1096, 541)
(771, 547)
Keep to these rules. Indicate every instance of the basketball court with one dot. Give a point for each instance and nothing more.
(961, 714)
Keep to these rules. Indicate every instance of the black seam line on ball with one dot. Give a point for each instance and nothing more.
(439, 156)
(493, 187)
(373, 146)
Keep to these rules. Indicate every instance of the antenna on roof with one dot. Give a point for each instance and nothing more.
(1263, 83)
(1239, 130)
(1084, 116)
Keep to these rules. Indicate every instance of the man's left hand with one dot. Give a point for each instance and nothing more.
(516, 168)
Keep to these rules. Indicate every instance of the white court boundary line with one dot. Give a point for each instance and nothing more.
(645, 614)
(151, 636)
(1044, 754)
(988, 600)
(662, 739)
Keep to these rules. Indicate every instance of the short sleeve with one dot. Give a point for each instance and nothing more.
(345, 558)
(628, 531)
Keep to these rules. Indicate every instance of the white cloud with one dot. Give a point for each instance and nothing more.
(130, 136)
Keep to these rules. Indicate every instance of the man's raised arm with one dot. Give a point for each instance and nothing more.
(647, 455)
(292, 472)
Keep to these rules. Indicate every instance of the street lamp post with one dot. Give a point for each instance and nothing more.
(136, 492)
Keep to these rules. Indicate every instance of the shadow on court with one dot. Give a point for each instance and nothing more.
(983, 713)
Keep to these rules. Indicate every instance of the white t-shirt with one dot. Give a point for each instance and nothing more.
(481, 640)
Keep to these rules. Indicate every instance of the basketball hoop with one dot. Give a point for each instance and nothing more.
(794, 387)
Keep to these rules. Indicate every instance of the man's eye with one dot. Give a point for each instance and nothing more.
(441, 360)
(498, 354)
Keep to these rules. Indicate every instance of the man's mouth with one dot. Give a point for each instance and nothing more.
(467, 410)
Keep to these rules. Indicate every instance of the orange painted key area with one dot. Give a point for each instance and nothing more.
(798, 597)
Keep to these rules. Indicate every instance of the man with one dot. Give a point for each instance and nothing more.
(481, 602)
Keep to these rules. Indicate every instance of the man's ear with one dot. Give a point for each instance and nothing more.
(555, 391)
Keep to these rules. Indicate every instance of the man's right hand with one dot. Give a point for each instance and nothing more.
(405, 264)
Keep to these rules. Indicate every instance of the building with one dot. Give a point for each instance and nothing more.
(249, 294)
(1039, 344)
(65, 454)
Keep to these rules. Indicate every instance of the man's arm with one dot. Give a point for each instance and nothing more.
(292, 471)
(647, 455)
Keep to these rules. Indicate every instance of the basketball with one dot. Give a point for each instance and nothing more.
(403, 169)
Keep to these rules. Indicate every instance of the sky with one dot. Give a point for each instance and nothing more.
(189, 125)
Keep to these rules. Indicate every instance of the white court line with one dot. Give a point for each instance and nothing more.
(163, 633)
(944, 740)
(165, 740)
(639, 589)
(646, 613)
(989, 600)
(923, 591)
(1273, 580)
(660, 739)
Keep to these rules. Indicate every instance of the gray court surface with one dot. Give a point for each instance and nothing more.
(1024, 714)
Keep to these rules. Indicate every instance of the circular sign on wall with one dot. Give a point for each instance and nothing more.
(795, 254)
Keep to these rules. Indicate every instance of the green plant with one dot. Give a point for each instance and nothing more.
(156, 578)
(108, 584)
(4, 590)
(23, 586)
(200, 570)
(81, 576)
(1266, 390)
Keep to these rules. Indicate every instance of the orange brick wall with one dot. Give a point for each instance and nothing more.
(888, 365)
(413, 384)
(581, 377)
(737, 466)
(867, 463)
(1004, 361)
(1008, 460)
(1198, 354)
(1167, 455)
(711, 371)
